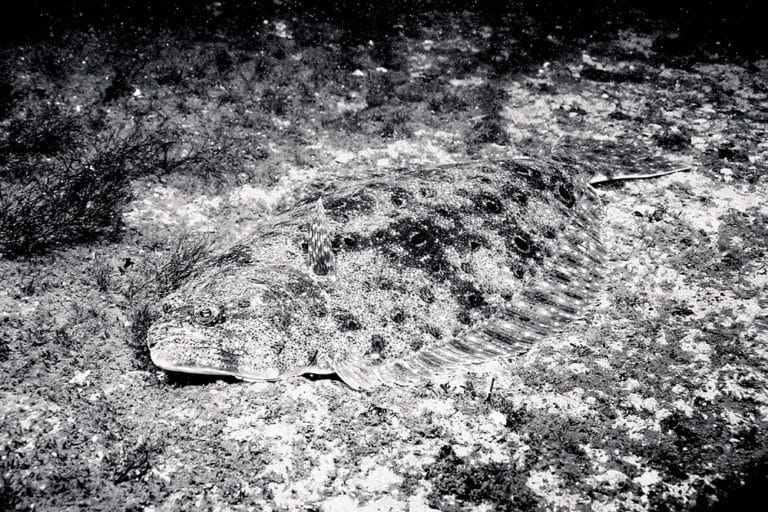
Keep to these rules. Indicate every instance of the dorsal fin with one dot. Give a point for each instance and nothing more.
(320, 253)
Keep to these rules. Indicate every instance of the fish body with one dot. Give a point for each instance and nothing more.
(388, 278)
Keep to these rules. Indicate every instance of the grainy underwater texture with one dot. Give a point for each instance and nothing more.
(433, 268)
(160, 172)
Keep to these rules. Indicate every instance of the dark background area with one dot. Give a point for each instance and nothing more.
(728, 27)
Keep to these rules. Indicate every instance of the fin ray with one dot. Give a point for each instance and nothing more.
(555, 298)
(321, 259)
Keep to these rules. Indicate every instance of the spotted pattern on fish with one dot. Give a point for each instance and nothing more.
(408, 273)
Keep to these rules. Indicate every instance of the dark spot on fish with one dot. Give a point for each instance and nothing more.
(299, 286)
(386, 284)
(515, 194)
(467, 294)
(426, 294)
(400, 196)
(522, 244)
(449, 213)
(351, 241)
(522, 250)
(319, 309)
(474, 245)
(483, 178)
(564, 193)
(488, 203)
(463, 317)
(398, 316)
(278, 347)
(531, 176)
(433, 331)
(378, 343)
(346, 207)
(416, 344)
(347, 321)
(281, 318)
(304, 246)
(422, 243)
(347, 242)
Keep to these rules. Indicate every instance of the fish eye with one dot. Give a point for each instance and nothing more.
(210, 315)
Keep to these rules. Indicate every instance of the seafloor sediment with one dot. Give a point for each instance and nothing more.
(658, 400)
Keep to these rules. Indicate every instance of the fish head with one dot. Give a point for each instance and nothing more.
(251, 324)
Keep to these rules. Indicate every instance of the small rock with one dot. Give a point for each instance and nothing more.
(80, 378)
(497, 419)
(732, 153)
(674, 138)
(648, 478)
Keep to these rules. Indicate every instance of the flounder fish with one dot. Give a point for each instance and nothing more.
(388, 278)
